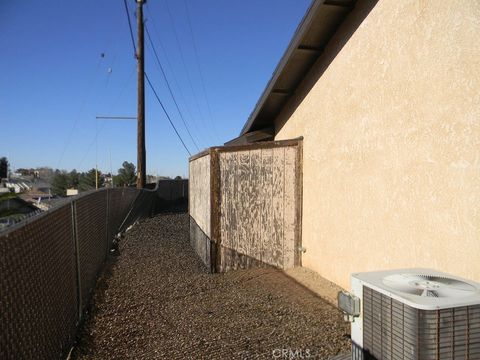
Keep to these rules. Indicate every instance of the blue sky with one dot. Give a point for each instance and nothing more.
(54, 80)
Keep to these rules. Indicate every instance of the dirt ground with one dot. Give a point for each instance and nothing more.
(157, 301)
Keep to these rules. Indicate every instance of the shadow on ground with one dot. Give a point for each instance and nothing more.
(156, 300)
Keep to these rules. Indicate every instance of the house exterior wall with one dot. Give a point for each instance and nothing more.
(390, 116)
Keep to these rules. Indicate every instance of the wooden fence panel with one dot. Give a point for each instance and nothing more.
(277, 235)
(267, 205)
(228, 202)
(257, 210)
(256, 194)
(289, 218)
(199, 188)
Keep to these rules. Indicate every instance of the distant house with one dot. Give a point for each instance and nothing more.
(14, 209)
(3, 188)
(72, 192)
(386, 97)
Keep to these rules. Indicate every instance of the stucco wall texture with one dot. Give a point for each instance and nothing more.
(390, 116)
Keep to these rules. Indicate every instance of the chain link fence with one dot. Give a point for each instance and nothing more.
(49, 265)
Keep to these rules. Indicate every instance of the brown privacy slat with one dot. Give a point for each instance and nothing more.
(120, 202)
(48, 267)
(38, 288)
(127, 209)
(91, 222)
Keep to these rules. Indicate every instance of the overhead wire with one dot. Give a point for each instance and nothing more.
(151, 85)
(90, 87)
(93, 142)
(99, 130)
(166, 114)
(197, 60)
(199, 130)
(169, 87)
(82, 107)
(182, 58)
(130, 27)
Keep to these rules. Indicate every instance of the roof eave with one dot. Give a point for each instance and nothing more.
(293, 48)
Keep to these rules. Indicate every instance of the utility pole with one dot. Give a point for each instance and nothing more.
(141, 153)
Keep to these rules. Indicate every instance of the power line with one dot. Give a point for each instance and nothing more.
(123, 88)
(169, 88)
(80, 110)
(151, 86)
(199, 130)
(130, 27)
(185, 67)
(98, 130)
(166, 113)
(107, 46)
(202, 81)
(116, 117)
(94, 141)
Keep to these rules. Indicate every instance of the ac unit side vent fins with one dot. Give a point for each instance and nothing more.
(393, 330)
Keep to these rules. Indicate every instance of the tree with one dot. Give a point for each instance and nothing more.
(3, 167)
(126, 174)
(178, 177)
(60, 183)
(25, 172)
(73, 179)
(87, 180)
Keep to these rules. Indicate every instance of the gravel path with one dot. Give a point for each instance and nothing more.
(156, 300)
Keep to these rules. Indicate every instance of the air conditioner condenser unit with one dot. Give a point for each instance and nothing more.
(413, 314)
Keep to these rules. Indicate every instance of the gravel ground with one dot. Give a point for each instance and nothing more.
(156, 300)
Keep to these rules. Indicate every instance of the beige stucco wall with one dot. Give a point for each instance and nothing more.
(391, 133)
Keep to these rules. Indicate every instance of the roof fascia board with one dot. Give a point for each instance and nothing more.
(294, 43)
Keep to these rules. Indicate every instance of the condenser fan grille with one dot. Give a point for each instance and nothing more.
(428, 285)
(393, 330)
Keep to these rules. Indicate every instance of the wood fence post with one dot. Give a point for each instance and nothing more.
(215, 233)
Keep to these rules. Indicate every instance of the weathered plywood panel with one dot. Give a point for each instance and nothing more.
(199, 190)
(258, 207)
(244, 202)
(277, 236)
(289, 208)
(255, 193)
(201, 243)
(266, 226)
(228, 220)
